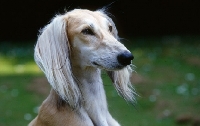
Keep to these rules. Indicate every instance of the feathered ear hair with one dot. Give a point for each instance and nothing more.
(52, 55)
(121, 78)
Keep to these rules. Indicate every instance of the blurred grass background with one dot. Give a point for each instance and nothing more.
(167, 79)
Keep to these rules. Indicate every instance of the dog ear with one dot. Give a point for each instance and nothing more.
(52, 55)
(121, 82)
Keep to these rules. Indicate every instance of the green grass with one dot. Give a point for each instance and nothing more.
(167, 80)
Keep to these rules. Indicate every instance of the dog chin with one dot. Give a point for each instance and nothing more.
(109, 68)
(114, 68)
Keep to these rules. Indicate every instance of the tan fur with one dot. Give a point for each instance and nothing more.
(50, 115)
(72, 60)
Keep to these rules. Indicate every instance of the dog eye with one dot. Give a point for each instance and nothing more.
(110, 28)
(87, 31)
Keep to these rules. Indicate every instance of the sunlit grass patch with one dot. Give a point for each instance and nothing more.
(10, 66)
(17, 58)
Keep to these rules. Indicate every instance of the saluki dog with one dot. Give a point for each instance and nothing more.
(71, 51)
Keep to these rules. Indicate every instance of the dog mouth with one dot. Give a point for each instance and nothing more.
(96, 64)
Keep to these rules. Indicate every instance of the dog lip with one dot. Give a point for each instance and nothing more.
(96, 64)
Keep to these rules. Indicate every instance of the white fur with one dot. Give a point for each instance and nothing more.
(52, 56)
(73, 67)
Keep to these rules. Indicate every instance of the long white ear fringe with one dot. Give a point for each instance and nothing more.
(52, 56)
(121, 81)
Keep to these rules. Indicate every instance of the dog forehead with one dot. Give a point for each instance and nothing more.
(87, 17)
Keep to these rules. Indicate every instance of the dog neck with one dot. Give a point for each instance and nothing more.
(87, 74)
(89, 79)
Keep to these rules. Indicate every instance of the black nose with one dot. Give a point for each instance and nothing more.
(125, 58)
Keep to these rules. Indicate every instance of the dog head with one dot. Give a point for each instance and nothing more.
(93, 38)
(90, 39)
